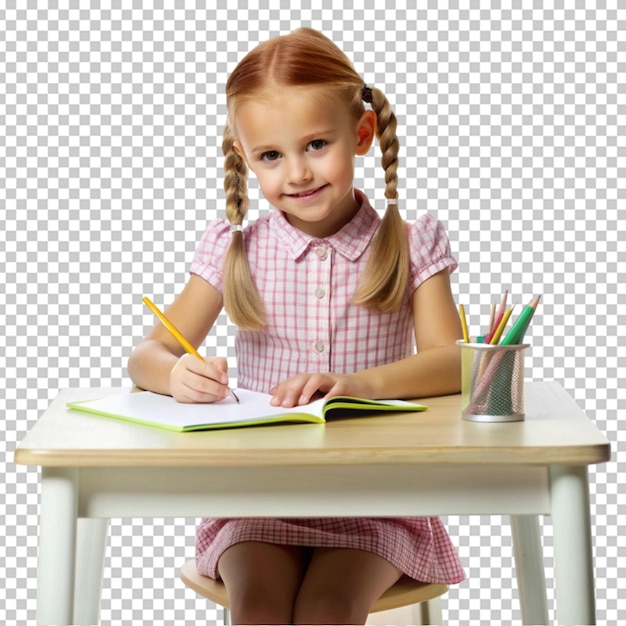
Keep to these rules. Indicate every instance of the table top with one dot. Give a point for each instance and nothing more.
(555, 431)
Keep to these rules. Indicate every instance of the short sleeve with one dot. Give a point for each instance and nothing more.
(209, 257)
(429, 248)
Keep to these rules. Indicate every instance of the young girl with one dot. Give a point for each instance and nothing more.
(328, 299)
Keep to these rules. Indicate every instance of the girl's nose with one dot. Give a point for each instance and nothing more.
(299, 170)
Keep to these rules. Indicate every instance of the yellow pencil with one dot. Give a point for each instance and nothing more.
(505, 318)
(176, 333)
(463, 323)
(173, 330)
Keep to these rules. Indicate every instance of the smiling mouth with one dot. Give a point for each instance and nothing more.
(306, 194)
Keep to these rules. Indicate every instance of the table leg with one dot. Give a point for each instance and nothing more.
(91, 539)
(575, 601)
(530, 569)
(57, 540)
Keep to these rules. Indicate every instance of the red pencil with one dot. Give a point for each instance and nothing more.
(498, 319)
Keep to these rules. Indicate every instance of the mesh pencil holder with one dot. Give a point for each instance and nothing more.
(492, 384)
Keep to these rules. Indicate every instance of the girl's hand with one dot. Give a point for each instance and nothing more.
(193, 380)
(304, 388)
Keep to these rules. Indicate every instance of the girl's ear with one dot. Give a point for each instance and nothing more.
(239, 150)
(366, 131)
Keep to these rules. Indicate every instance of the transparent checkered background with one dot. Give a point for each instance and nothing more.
(513, 133)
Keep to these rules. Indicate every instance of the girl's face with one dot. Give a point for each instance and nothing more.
(301, 149)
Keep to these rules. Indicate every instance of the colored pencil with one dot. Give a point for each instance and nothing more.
(172, 329)
(518, 330)
(463, 323)
(498, 317)
(501, 327)
(492, 316)
(176, 333)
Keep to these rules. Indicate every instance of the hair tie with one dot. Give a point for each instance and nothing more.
(236, 228)
(392, 202)
(366, 94)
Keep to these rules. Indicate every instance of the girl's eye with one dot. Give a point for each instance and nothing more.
(318, 144)
(270, 155)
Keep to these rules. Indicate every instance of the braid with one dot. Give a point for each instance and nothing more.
(241, 297)
(386, 125)
(387, 273)
(235, 181)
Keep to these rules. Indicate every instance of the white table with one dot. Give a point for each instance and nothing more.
(430, 463)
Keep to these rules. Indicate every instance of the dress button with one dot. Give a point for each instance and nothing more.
(319, 293)
(319, 346)
(322, 253)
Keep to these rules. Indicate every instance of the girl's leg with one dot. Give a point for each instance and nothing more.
(341, 585)
(262, 581)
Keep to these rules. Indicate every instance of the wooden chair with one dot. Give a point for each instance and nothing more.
(423, 597)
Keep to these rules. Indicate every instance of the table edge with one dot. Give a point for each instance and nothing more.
(570, 455)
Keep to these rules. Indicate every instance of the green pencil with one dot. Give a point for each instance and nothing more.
(518, 330)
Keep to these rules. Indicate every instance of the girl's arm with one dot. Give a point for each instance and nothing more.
(160, 364)
(435, 370)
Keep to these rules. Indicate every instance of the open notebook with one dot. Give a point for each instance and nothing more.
(152, 409)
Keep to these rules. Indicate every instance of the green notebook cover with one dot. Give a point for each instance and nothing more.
(254, 408)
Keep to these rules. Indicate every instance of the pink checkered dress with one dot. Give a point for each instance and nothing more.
(307, 285)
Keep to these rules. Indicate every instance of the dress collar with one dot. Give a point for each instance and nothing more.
(351, 241)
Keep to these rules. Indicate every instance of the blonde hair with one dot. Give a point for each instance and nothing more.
(306, 57)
